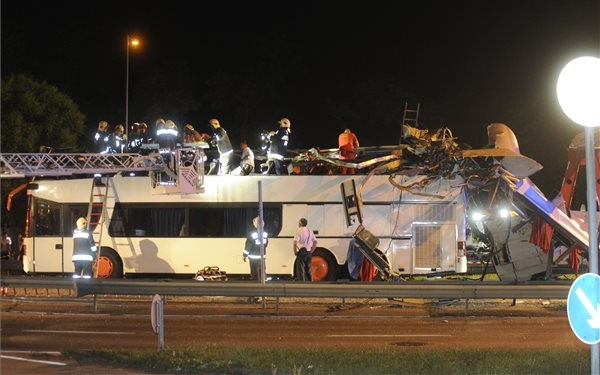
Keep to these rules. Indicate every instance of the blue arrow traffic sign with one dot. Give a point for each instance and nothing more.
(583, 308)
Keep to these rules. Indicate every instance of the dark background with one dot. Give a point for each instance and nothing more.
(325, 65)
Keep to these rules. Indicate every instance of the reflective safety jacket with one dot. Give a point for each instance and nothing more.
(279, 144)
(252, 248)
(84, 246)
(221, 140)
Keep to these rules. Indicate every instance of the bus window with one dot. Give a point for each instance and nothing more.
(47, 219)
(195, 221)
(73, 213)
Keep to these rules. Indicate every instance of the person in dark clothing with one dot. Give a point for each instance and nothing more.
(221, 140)
(84, 249)
(305, 244)
(278, 147)
(252, 249)
(102, 138)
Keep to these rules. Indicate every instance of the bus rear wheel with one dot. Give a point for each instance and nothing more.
(109, 265)
(324, 266)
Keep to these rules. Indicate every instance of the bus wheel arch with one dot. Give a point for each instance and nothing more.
(324, 265)
(109, 265)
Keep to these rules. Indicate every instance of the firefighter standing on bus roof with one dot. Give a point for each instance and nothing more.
(84, 249)
(220, 138)
(278, 148)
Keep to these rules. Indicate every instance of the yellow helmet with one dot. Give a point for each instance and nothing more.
(214, 123)
(82, 223)
(120, 128)
(103, 126)
(285, 122)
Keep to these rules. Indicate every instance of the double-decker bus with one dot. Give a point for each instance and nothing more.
(144, 232)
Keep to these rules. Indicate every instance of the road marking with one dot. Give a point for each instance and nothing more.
(79, 332)
(33, 360)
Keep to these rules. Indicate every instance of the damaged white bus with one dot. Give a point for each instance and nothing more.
(419, 205)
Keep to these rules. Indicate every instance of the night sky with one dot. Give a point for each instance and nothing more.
(325, 65)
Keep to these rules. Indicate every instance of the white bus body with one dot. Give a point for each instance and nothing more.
(418, 233)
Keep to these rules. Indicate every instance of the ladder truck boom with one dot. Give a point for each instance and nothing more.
(19, 165)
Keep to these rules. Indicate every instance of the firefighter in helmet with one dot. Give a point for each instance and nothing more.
(119, 140)
(84, 249)
(278, 148)
(220, 139)
(102, 138)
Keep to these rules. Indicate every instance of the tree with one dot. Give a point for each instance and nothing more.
(36, 113)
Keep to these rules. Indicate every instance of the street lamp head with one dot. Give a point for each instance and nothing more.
(133, 41)
(578, 90)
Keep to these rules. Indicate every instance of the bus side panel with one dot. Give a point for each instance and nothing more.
(50, 254)
(188, 255)
(399, 255)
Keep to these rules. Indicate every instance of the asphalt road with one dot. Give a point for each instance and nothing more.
(39, 328)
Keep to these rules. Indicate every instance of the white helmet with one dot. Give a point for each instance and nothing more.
(82, 223)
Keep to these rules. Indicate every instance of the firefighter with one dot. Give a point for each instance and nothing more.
(166, 134)
(84, 249)
(252, 248)
(135, 139)
(118, 140)
(278, 147)
(220, 139)
(102, 138)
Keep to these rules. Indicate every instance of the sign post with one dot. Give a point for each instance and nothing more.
(156, 317)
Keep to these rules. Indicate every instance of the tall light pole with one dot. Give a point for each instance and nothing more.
(578, 90)
(130, 42)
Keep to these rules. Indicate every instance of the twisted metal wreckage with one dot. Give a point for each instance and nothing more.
(509, 220)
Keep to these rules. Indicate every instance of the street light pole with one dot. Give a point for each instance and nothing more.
(127, 96)
(130, 42)
(578, 90)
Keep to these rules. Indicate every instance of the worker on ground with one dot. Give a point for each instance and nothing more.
(252, 248)
(348, 143)
(6, 246)
(304, 245)
(278, 147)
(84, 250)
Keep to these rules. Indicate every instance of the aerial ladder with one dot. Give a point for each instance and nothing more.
(183, 172)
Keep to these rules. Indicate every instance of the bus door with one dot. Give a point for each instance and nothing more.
(48, 251)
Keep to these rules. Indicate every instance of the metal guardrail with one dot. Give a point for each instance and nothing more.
(417, 289)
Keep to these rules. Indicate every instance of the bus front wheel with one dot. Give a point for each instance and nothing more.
(109, 265)
(324, 266)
